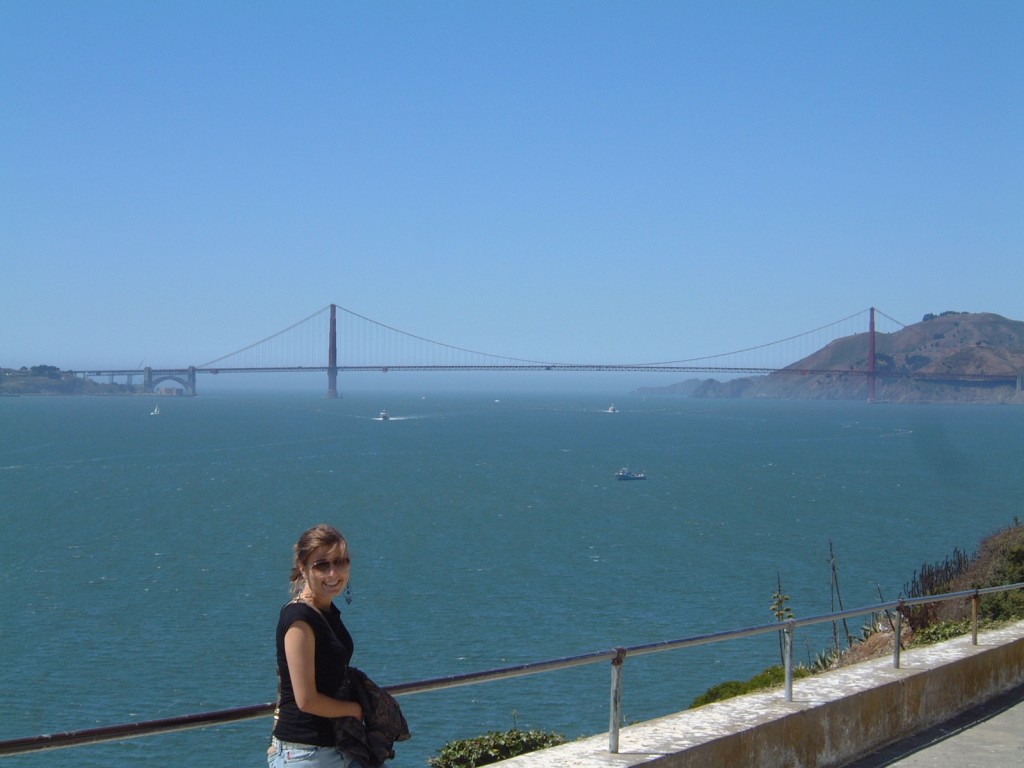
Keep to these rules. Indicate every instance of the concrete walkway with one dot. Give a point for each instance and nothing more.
(990, 735)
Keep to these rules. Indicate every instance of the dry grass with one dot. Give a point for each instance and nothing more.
(874, 646)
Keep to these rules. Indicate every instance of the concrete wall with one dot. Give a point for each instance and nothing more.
(834, 718)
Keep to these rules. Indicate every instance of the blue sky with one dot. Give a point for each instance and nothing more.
(591, 181)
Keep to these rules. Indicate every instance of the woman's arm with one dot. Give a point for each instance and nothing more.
(300, 652)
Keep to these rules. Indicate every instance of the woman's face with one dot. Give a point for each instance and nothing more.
(327, 572)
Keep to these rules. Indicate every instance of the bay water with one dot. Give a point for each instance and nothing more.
(145, 558)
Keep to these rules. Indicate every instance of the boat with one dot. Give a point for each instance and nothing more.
(384, 416)
(612, 409)
(625, 474)
(155, 411)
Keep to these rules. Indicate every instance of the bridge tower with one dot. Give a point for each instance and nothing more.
(871, 357)
(332, 357)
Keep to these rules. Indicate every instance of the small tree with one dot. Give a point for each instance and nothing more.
(782, 612)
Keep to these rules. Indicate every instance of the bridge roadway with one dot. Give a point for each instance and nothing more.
(186, 377)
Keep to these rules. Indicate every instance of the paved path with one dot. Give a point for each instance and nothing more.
(990, 735)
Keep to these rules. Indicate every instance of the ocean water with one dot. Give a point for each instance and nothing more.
(144, 559)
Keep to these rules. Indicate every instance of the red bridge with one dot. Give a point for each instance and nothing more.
(311, 345)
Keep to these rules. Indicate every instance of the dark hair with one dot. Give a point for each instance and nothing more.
(310, 541)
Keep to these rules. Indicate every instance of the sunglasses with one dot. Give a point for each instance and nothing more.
(325, 566)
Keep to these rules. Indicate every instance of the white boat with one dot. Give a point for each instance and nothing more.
(384, 416)
(625, 474)
(612, 409)
(155, 411)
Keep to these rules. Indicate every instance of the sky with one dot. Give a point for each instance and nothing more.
(574, 181)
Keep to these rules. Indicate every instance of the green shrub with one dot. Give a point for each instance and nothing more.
(1003, 557)
(941, 631)
(492, 747)
(998, 561)
(722, 691)
(769, 678)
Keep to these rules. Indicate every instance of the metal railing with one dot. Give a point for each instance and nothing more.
(617, 657)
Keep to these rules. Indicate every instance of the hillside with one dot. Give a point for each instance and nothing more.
(938, 350)
(50, 380)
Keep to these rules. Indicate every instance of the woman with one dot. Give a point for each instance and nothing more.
(313, 653)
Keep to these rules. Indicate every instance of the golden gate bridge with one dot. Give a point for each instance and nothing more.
(336, 340)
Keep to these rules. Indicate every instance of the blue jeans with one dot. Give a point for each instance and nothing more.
(283, 754)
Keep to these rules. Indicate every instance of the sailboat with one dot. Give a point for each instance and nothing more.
(155, 411)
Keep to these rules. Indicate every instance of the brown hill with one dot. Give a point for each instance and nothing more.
(955, 357)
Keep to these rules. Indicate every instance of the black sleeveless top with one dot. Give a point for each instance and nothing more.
(333, 653)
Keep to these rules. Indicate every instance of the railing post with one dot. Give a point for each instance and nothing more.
(787, 635)
(898, 633)
(974, 617)
(615, 710)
